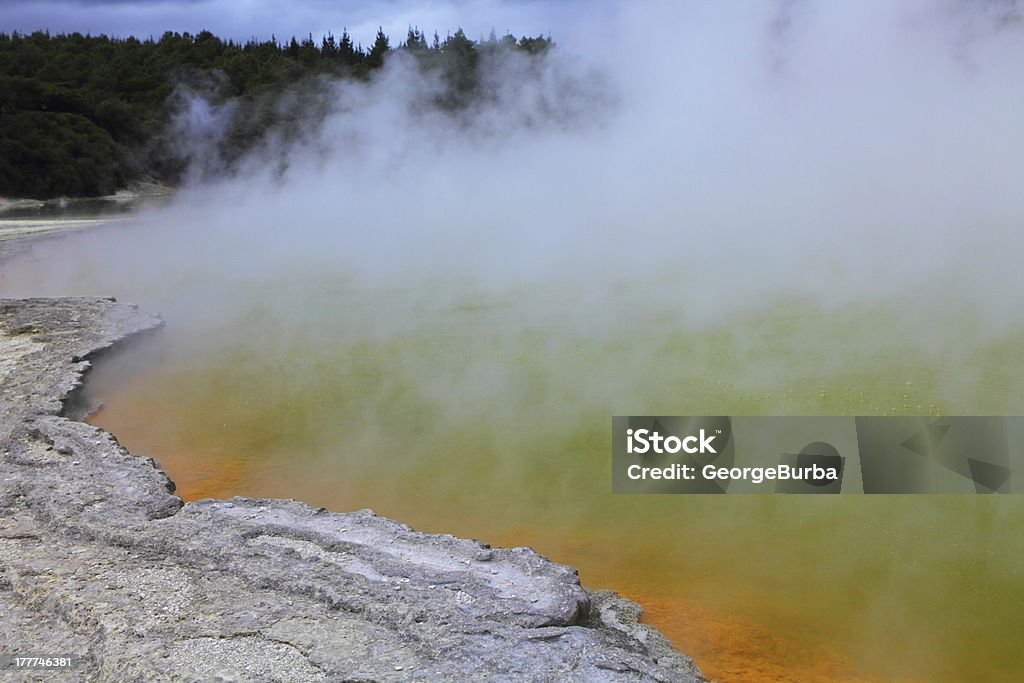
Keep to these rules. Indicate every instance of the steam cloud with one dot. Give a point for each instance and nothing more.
(691, 164)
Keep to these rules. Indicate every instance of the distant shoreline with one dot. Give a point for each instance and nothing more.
(132, 192)
(23, 221)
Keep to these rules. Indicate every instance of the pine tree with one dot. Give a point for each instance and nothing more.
(346, 50)
(415, 41)
(381, 46)
(329, 46)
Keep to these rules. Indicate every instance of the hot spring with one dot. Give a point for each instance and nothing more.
(436, 317)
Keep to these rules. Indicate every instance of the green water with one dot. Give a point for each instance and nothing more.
(487, 415)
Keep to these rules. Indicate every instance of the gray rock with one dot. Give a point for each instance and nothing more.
(100, 559)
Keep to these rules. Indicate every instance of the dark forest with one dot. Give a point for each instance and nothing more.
(89, 115)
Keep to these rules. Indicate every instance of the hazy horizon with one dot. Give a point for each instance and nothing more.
(241, 20)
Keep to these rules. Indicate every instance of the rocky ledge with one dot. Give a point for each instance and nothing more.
(99, 559)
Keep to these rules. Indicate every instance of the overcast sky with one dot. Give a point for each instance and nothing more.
(242, 19)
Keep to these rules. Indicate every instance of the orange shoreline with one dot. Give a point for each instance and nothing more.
(727, 647)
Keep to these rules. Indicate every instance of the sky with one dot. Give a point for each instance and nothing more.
(242, 19)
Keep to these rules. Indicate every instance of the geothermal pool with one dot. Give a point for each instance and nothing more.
(484, 411)
(455, 420)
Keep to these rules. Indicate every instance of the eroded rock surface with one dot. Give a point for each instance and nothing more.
(100, 559)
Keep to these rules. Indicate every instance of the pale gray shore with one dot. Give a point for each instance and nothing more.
(24, 220)
(99, 559)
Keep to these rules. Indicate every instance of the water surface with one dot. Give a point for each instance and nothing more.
(482, 408)
(465, 414)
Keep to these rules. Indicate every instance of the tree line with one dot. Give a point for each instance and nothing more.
(84, 115)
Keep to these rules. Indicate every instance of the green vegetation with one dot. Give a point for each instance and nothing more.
(84, 115)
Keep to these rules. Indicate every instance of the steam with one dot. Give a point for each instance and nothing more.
(695, 165)
(197, 128)
(790, 149)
